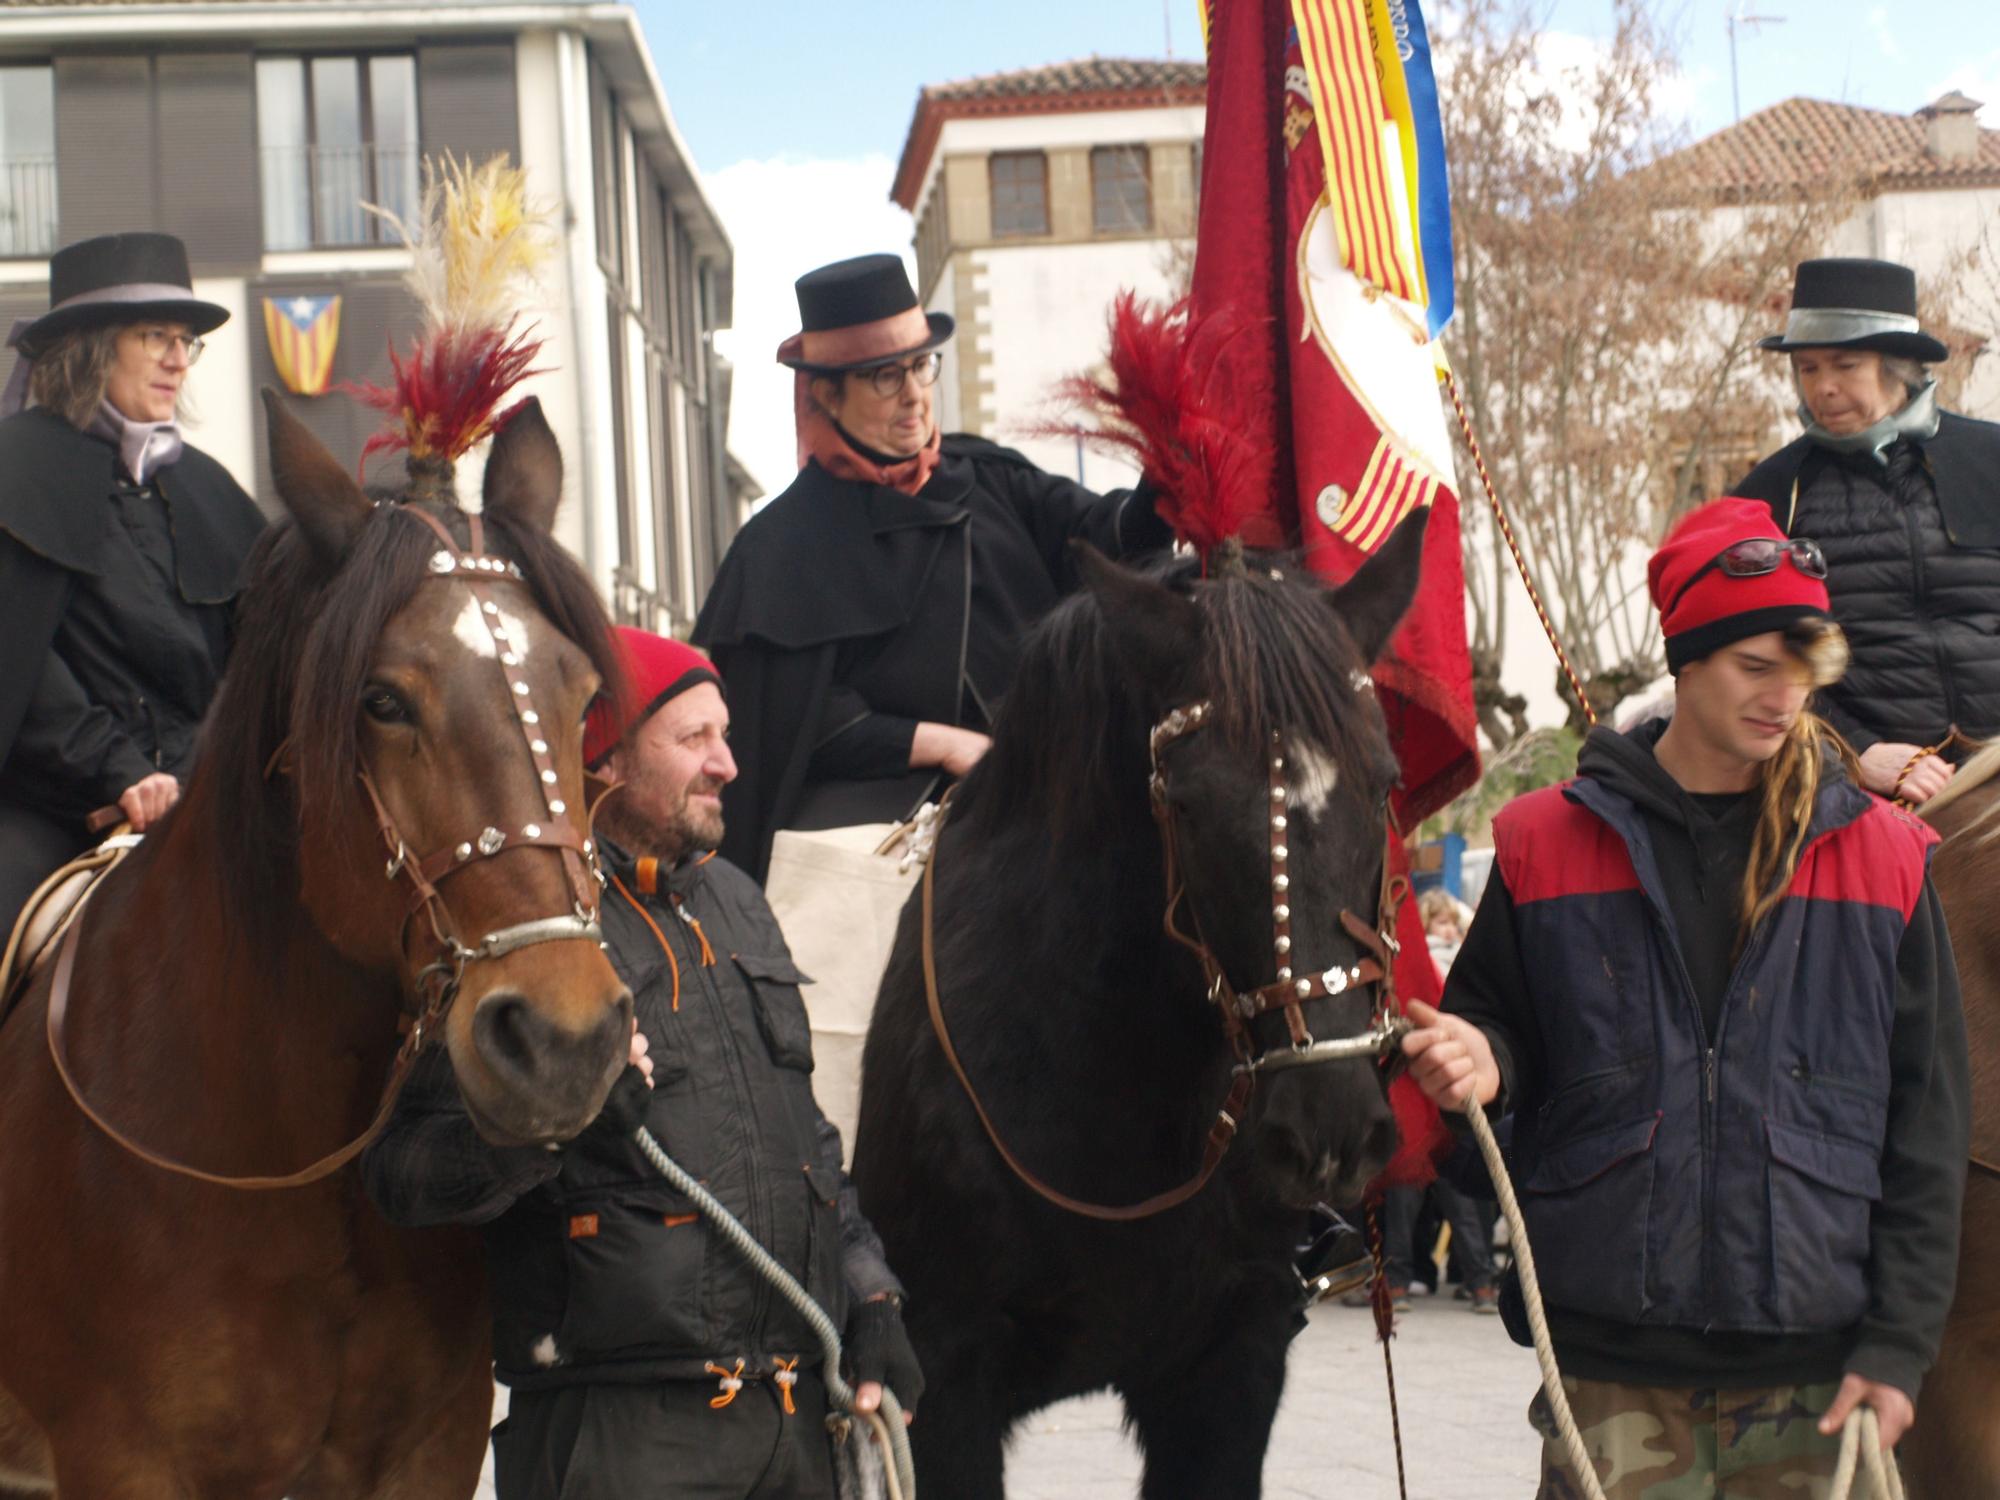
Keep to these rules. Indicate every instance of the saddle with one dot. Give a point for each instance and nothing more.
(56, 904)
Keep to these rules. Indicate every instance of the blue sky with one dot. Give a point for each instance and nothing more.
(841, 80)
(796, 112)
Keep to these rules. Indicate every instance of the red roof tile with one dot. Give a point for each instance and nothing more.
(1810, 140)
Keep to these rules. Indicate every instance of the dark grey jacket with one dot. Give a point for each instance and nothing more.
(1913, 567)
(599, 1271)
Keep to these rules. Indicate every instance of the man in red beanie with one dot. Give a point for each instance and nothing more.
(1738, 1076)
(645, 1358)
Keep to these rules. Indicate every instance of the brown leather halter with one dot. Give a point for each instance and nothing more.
(1286, 992)
(437, 984)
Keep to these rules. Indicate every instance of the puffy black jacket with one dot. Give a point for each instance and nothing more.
(1913, 567)
(600, 1271)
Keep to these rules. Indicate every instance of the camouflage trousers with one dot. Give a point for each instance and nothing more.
(1679, 1443)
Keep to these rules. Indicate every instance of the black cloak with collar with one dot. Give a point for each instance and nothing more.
(1964, 463)
(847, 612)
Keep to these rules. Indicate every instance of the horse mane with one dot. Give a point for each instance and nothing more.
(1971, 776)
(1069, 745)
(304, 639)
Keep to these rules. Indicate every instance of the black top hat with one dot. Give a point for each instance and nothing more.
(120, 278)
(860, 312)
(1856, 304)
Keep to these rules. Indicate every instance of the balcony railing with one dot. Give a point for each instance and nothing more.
(27, 205)
(313, 195)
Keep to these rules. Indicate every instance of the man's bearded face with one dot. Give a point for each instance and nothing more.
(674, 767)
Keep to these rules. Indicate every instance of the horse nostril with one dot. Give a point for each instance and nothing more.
(525, 1047)
(509, 1034)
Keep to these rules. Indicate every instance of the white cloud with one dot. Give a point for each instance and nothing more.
(785, 217)
(1978, 79)
(1886, 41)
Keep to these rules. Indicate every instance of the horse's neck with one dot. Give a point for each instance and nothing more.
(187, 1020)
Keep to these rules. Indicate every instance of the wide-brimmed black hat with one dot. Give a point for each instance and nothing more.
(1856, 304)
(860, 312)
(119, 278)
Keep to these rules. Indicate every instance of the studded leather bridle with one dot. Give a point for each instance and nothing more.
(438, 982)
(1288, 992)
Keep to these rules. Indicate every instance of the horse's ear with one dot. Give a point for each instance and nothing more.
(524, 472)
(321, 496)
(1373, 602)
(1156, 632)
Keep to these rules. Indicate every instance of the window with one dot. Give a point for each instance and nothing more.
(1020, 182)
(1121, 198)
(335, 133)
(27, 161)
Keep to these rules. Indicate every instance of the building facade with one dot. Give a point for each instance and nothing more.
(257, 130)
(1038, 196)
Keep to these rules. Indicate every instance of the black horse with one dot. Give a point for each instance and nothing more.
(1089, 1035)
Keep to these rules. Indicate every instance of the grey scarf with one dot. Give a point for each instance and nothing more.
(143, 447)
(1917, 420)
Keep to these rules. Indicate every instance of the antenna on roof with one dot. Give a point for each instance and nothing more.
(1167, 20)
(1736, 15)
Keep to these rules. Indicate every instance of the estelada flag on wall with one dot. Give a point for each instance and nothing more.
(303, 333)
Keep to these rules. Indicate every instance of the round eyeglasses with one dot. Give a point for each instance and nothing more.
(887, 380)
(158, 341)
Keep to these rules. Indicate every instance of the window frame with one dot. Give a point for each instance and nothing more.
(1011, 232)
(25, 249)
(376, 233)
(1127, 150)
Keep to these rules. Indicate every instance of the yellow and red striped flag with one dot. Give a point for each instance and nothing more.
(303, 333)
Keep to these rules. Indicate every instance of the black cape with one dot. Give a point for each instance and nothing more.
(57, 520)
(846, 610)
(1964, 460)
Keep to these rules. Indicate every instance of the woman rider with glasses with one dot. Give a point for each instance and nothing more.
(120, 547)
(868, 618)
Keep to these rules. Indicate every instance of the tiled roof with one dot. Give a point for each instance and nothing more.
(1804, 141)
(1091, 75)
(1091, 83)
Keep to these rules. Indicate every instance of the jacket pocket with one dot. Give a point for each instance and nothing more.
(781, 1010)
(1588, 1200)
(635, 1271)
(1822, 1189)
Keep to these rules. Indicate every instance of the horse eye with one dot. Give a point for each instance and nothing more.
(384, 707)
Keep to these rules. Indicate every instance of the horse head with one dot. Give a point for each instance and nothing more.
(1271, 787)
(433, 745)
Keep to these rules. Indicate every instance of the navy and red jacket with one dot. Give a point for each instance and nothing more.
(1790, 1169)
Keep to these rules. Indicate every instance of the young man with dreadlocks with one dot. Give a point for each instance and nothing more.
(1738, 1075)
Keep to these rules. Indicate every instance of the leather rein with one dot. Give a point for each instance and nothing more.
(437, 983)
(1288, 992)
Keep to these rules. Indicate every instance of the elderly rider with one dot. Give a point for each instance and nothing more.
(645, 1358)
(1904, 498)
(120, 550)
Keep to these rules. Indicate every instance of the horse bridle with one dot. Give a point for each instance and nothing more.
(438, 982)
(1287, 992)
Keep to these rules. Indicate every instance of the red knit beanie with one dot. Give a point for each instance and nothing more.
(656, 669)
(1716, 609)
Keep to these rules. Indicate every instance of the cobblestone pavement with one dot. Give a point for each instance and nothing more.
(1462, 1387)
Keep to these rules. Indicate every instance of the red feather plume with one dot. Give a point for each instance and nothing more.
(1156, 406)
(447, 389)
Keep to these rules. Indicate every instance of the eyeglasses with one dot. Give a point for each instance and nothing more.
(1755, 557)
(158, 341)
(887, 380)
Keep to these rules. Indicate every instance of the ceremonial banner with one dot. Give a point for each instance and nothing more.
(303, 333)
(1325, 219)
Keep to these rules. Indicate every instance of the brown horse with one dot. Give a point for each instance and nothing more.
(1953, 1451)
(234, 1007)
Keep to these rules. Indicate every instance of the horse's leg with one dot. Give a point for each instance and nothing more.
(445, 1463)
(1204, 1427)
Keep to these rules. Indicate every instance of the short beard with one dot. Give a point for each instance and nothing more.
(682, 833)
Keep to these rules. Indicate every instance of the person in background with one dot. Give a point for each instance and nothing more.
(868, 618)
(121, 550)
(1904, 500)
(1712, 982)
(646, 1359)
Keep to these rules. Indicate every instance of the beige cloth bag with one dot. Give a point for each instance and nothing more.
(838, 894)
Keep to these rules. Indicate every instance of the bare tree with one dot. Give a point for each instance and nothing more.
(1607, 307)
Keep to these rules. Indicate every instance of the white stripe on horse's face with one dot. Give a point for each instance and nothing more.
(1311, 778)
(472, 633)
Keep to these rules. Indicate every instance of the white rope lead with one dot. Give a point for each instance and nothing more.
(887, 1424)
(1859, 1437)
